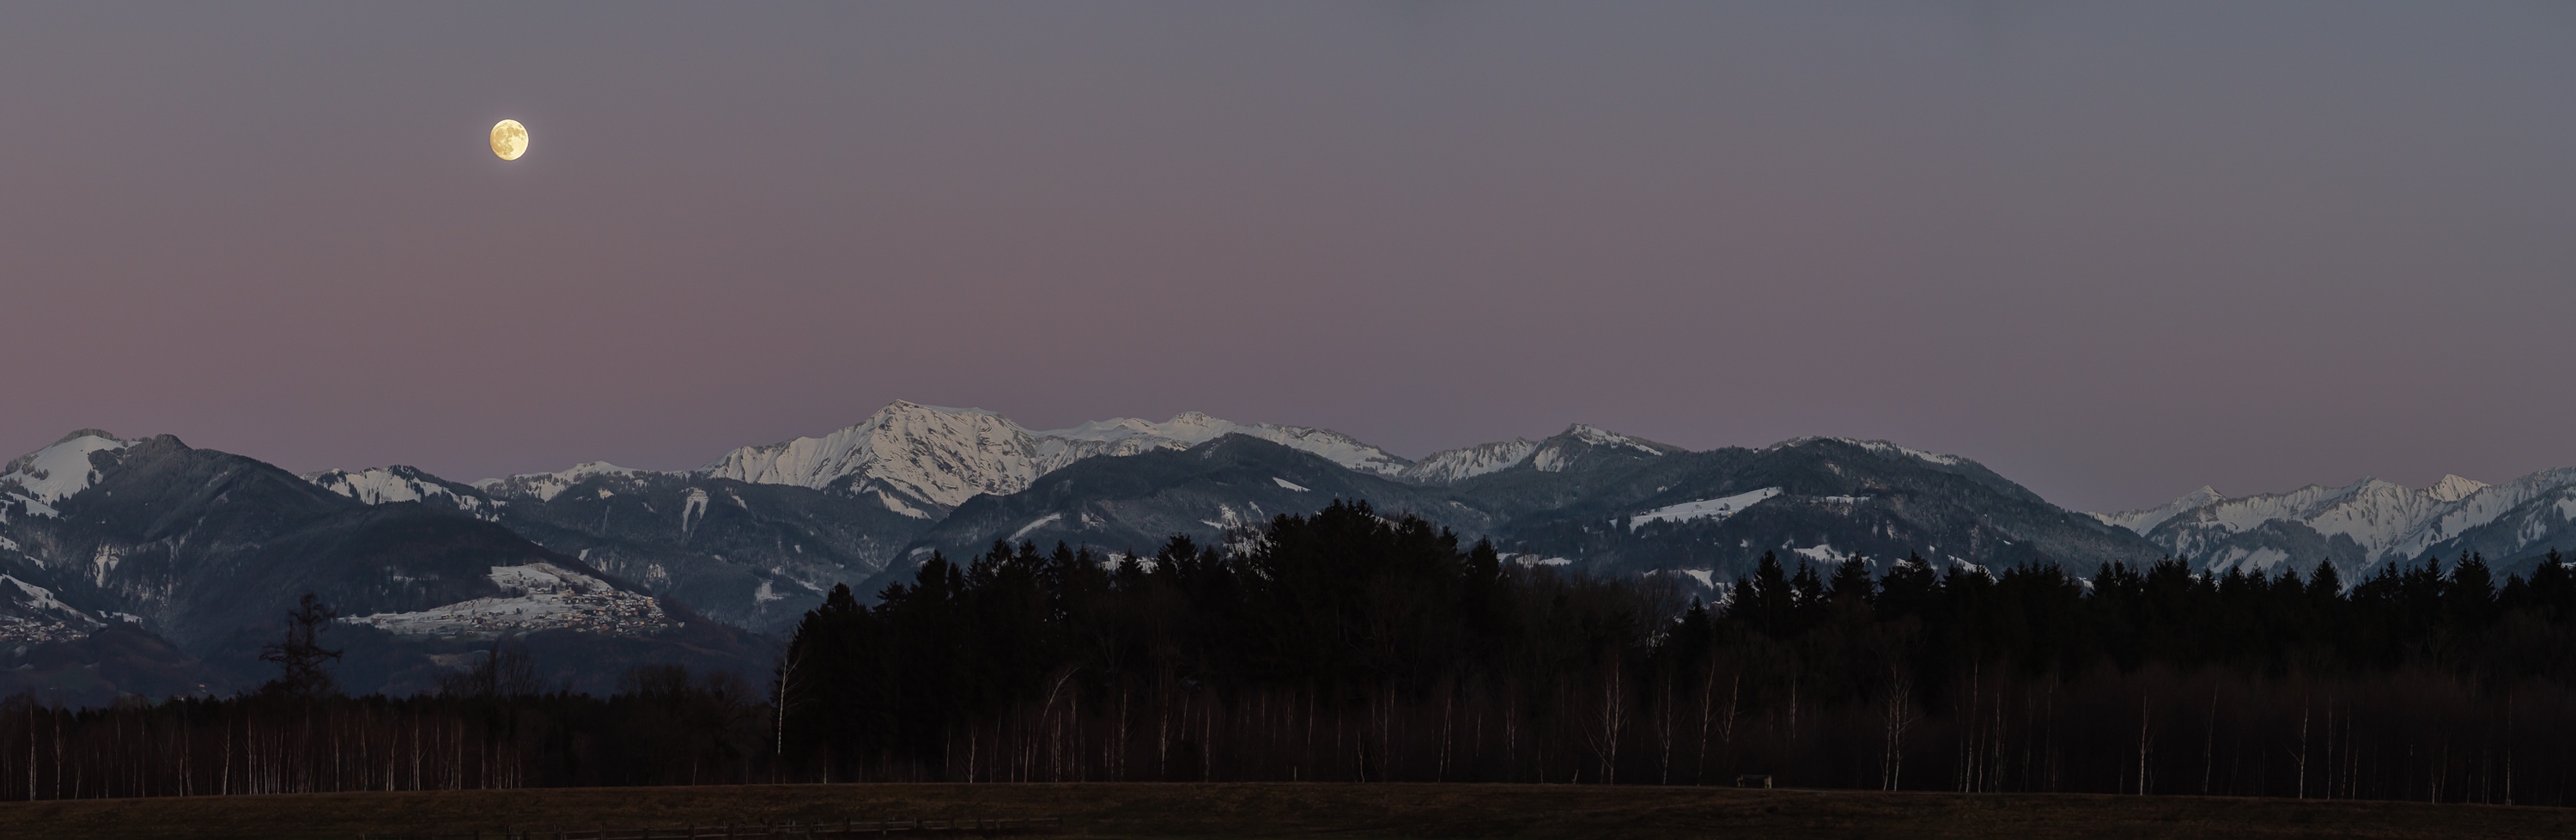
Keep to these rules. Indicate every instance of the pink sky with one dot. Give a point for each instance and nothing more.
(2112, 253)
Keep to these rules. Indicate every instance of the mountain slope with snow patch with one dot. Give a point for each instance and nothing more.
(37, 480)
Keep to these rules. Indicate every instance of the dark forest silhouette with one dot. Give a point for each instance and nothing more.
(1349, 647)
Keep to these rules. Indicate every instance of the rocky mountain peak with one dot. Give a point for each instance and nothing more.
(2453, 488)
(1581, 440)
(50, 474)
(1450, 466)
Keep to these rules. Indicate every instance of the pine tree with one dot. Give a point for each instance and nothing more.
(1851, 581)
(1765, 601)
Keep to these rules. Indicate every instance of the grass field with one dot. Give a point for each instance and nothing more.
(1287, 810)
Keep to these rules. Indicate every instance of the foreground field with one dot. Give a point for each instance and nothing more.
(1272, 810)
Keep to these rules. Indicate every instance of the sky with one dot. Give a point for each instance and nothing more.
(2113, 251)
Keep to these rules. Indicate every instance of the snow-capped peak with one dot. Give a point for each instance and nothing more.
(1598, 436)
(51, 474)
(939, 455)
(1557, 453)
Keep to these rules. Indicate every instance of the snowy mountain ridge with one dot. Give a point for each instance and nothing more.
(2145, 520)
(939, 456)
(908, 453)
(545, 486)
(1877, 446)
(762, 532)
(921, 460)
(2359, 525)
(1557, 453)
(1450, 466)
(398, 483)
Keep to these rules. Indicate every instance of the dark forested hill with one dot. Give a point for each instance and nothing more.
(1822, 500)
(208, 549)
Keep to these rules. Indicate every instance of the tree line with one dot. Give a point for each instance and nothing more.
(1347, 646)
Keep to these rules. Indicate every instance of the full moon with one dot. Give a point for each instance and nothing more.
(509, 139)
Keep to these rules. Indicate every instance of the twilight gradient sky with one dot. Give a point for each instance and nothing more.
(2113, 251)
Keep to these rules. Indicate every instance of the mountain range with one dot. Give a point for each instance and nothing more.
(2366, 525)
(146, 566)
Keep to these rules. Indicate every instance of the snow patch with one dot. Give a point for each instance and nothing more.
(1040, 522)
(1886, 448)
(1720, 508)
(693, 510)
(538, 596)
(1291, 485)
(32, 597)
(30, 614)
(1822, 553)
(1228, 520)
(104, 561)
(897, 505)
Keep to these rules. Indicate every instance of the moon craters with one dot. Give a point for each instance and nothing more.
(509, 139)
